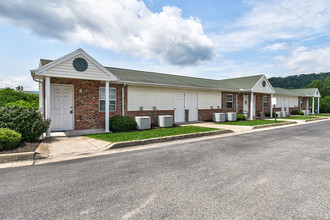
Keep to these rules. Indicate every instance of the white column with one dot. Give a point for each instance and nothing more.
(47, 102)
(236, 103)
(251, 106)
(271, 105)
(41, 97)
(106, 106)
(318, 104)
(313, 106)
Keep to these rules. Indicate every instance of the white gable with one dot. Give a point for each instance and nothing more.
(263, 86)
(317, 93)
(63, 68)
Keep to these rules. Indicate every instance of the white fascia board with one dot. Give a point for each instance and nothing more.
(264, 78)
(42, 70)
(175, 86)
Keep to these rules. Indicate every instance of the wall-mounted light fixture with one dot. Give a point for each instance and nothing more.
(154, 108)
(80, 91)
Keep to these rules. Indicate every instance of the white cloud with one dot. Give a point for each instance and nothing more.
(277, 46)
(276, 20)
(305, 60)
(12, 82)
(127, 27)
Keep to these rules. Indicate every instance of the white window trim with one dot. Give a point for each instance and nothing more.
(232, 101)
(265, 101)
(109, 99)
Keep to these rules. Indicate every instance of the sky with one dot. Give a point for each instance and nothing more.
(214, 39)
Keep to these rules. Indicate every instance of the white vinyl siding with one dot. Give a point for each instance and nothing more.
(148, 97)
(66, 70)
(293, 101)
(208, 99)
(260, 89)
(163, 98)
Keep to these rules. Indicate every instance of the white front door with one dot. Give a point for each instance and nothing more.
(61, 107)
(179, 111)
(192, 106)
(246, 105)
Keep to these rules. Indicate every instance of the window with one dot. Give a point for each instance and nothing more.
(265, 101)
(112, 99)
(229, 101)
(301, 103)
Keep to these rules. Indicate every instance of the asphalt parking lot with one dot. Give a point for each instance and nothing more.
(275, 174)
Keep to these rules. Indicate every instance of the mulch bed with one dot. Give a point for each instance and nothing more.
(23, 147)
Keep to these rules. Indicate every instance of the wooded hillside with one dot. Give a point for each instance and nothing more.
(297, 81)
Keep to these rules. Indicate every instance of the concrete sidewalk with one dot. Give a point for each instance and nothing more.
(61, 146)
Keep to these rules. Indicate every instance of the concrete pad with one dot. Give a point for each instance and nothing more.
(77, 133)
(57, 146)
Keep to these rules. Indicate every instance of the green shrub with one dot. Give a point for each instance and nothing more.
(241, 117)
(267, 114)
(26, 121)
(22, 103)
(9, 139)
(8, 95)
(297, 112)
(122, 123)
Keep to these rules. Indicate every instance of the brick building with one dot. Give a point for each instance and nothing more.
(77, 92)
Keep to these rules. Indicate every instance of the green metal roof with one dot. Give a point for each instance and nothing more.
(136, 76)
(310, 92)
(44, 62)
(306, 92)
(246, 83)
(287, 92)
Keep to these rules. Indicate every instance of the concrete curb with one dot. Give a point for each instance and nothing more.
(16, 157)
(315, 119)
(165, 139)
(274, 125)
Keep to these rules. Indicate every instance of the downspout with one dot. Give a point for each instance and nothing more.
(123, 100)
(41, 92)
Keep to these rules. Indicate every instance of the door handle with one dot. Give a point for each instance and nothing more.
(71, 110)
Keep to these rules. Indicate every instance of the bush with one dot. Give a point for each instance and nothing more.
(267, 114)
(8, 95)
(241, 117)
(122, 123)
(22, 103)
(26, 121)
(9, 139)
(297, 112)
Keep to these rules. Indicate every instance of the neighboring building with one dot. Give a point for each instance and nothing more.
(296, 99)
(76, 92)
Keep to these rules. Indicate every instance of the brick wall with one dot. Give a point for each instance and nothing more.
(86, 102)
(88, 116)
(207, 114)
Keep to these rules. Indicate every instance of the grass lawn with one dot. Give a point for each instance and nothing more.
(301, 117)
(147, 134)
(251, 123)
(324, 115)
